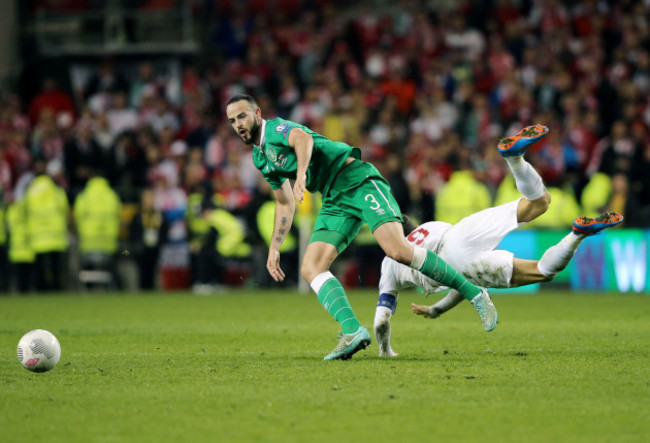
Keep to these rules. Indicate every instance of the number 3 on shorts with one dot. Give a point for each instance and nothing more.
(374, 203)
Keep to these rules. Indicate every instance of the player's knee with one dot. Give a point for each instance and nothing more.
(543, 203)
(308, 272)
(547, 278)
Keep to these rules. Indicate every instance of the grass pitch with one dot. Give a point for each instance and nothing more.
(247, 366)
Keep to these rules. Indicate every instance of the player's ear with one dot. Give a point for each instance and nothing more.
(258, 115)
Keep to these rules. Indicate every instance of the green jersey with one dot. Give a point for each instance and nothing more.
(277, 160)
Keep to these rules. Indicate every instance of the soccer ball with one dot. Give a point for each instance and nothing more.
(39, 350)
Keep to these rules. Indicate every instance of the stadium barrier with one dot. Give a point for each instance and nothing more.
(615, 260)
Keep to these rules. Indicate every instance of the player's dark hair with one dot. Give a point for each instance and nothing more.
(246, 97)
(407, 224)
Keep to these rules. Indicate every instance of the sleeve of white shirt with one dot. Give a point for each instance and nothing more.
(388, 282)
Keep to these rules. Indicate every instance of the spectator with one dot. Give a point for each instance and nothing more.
(147, 232)
(52, 98)
(102, 84)
(163, 117)
(120, 118)
(83, 156)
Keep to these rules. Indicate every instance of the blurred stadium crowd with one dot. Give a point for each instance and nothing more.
(426, 89)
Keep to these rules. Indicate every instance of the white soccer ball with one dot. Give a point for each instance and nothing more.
(39, 350)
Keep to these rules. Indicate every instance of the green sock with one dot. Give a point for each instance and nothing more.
(436, 268)
(333, 298)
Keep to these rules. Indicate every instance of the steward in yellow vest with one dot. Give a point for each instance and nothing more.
(230, 239)
(461, 196)
(596, 194)
(226, 240)
(21, 254)
(97, 217)
(46, 211)
(4, 264)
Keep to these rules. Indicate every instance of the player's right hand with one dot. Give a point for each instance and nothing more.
(421, 310)
(299, 188)
(273, 265)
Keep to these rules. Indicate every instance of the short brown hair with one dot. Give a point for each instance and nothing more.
(246, 97)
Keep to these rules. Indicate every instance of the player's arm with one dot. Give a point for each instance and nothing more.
(303, 144)
(450, 301)
(285, 206)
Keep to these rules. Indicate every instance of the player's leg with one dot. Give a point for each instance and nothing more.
(386, 306)
(315, 270)
(324, 247)
(527, 179)
(557, 257)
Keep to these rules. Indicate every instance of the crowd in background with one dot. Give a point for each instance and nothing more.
(425, 89)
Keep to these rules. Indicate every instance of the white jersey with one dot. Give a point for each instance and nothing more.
(396, 276)
(468, 247)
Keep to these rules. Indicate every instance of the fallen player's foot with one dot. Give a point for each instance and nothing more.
(387, 353)
(486, 310)
(349, 344)
(425, 311)
(382, 333)
(591, 226)
(519, 143)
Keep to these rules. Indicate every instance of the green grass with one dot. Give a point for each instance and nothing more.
(247, 366)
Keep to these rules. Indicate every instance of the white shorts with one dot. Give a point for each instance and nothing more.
(469, 245)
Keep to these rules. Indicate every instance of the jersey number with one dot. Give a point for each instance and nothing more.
(375, 204)
(417, 237)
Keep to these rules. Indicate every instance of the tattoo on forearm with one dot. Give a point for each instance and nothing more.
(283, 221)
(278, 239)
(281, 231)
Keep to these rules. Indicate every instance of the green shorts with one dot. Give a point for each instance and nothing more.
(358, 195)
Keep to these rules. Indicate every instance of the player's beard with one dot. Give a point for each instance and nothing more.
(254, 133)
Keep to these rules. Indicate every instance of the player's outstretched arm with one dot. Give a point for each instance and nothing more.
(285, 207)
(451, 300)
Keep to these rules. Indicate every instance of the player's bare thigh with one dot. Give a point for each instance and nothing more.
(525, 272)
(318, 259)
(390, 237)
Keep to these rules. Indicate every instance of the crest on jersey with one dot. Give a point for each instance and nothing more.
(271, 154)
(281, 127)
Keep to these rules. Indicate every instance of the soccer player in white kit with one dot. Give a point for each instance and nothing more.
(469, 245)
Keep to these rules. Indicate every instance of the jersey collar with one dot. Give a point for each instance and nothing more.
(262, 130)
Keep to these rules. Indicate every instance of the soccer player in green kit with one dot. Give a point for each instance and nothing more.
(353, 193)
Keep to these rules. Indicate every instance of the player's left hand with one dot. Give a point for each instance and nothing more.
(299, 188)
(273, 265)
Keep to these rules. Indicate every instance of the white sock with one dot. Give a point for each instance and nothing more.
(320, 280)
(557, 257)
(382, 330)
(527, 179)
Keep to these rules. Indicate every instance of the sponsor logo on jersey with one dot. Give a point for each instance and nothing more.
(282, 160)
(271, 154)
